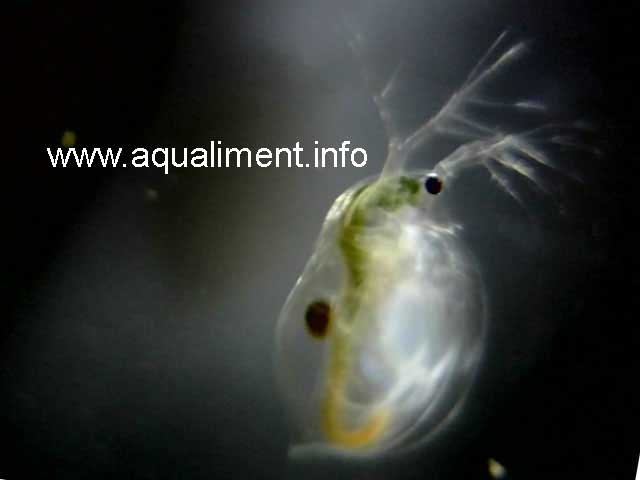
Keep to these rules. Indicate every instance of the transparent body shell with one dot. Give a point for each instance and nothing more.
(396, 359)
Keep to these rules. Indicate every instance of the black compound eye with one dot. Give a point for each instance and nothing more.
(317, 317)
(433, 184)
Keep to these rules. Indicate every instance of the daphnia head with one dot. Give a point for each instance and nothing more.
(390, 195)
(396, 192)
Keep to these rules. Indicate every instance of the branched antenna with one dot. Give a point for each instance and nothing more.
(382, 95)
(505, 155)
(451, 119)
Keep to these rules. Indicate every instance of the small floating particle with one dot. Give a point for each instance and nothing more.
(151, 194)
(496, 469)
(68, 139)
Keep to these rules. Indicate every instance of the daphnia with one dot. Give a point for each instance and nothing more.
(379, 340)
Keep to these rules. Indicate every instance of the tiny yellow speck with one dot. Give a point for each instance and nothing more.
(68, 139)
(496, 469)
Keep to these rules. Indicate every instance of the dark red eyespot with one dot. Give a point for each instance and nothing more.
(317, 316)
(433, 184)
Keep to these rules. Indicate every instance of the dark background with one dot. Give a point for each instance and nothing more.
(137, 342)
